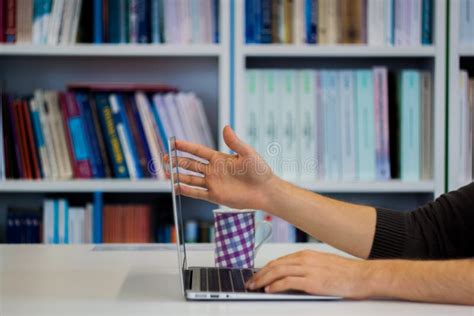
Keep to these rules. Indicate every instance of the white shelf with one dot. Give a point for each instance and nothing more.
(110, 185)
(132, 50)
(288, 50)
(466, 51)
(115, 185)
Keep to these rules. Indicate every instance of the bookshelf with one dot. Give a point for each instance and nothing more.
(460, 57)
(430, 57)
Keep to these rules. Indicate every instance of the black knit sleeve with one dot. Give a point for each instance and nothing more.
(443, 229)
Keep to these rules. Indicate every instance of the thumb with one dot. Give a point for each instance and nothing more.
(234, 143)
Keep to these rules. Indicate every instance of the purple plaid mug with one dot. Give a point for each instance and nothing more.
(235, 238)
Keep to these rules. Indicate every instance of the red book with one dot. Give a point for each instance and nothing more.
(10, 23)
(32, 152)
(122, 87)
(25, 161)
(75, 136)
(2, 21)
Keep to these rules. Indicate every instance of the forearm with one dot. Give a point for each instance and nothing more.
(345, 226)
(428, 281)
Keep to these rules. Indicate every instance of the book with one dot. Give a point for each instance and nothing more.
(79, 148)
(426, 126)
(97, 22)
(270, 146)
(382, 149)
(10, 21)
(111, 139)
(299, 25)
(39, 139)
(410, 125)
(253, 112)
(365, 125)
(24, 19)
(347, 85)
(351, 14)
(33, 155)
(376, 22)
(311, 21)
(426, 22)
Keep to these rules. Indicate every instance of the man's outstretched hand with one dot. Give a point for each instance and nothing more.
(238, 180)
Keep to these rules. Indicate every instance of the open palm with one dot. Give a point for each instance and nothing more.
(235, 180)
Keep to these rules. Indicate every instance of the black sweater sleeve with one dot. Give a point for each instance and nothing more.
(443, 229)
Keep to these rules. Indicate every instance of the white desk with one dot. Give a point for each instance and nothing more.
(73, 280)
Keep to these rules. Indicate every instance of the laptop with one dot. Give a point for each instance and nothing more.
(210, 283)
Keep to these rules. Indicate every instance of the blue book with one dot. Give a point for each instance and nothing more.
(98, 28)
(426, 21)
(257, 24)
(311, 21)
(249, 21)
(215, 19)
(114, 21)
(97, 165)
(39, 137)
(97, 218)
(141, 130)
(143, 21)
(125, 136)
(365, 125)
(156, 15)
(123, 20)
(56, 221)
(160, 121)
(111, 139)
(266, 21)
(410, 150)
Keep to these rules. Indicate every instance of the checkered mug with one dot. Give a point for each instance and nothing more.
(235, 238)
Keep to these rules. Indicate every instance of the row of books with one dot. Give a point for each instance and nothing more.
(96, 131)
(23, 227)
(465, 129)
(109, 21)
(342, 125)
(128, 223)
(372, 22)
(466, 22)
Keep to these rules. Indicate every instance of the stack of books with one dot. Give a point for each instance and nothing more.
(128, 223)
(372, 22)
(342, 125)
(465, 130)
(55, 22)
(96, 131)
(466, 22)
(23, 226)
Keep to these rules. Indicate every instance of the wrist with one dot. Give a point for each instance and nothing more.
(372, 274)
(269, 193)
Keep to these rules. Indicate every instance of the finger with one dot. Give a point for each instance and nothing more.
(288, 283)
(234, 143)
(192, 192)
(272, 265)
(190, 164)
(277, 273)
(197, 181)
(195, 149)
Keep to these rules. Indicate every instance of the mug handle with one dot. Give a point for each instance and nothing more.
(267, 235)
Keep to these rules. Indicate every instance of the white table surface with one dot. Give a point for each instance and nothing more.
(74, 280)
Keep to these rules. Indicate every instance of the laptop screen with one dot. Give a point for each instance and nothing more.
(177, 212)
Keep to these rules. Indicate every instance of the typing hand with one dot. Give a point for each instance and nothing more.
(312, 272)
(237, 181)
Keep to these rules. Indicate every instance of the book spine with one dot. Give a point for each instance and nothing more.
(143, 21)
(249, 22)
(216, 19)
(426, 22)
(415, 23)
(99, 136)
(11, 23)
(306, 126)
(311, 18)
(15, 135)
(323, 21)
(76, 138)
(3, 21)
(141, 133)
(365, 125)
(299, 24)
(347, 94)
(160, 120)
(114, 21)
(427, 129)
(124, 20)
(155, 21)
(320, 136)
(382, 154)
(266, 22)
(33, 154)
(111, 138)
(389, 18)
(46, 18)
(98, 28)
(271, 108)
(133, 21)
(97, 167)
(123, 133)
(253, 97)
(97, 218)
(375, 23)
(20, 123)
(410, 126)
(257, 21)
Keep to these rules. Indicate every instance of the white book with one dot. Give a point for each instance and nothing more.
(347, 119)
(76, 231)
(399, 32)
(198, 134)
(48, 221)
(253, 128)
(307, 125)
(208, 26)
(186, 32)
(66, 21)
(375, 22)
(124, 141)
(299, 18)
(466, 21)
(63, 221)
(203, 123)
(287, 84)
(150, 134)
(176, 123)
(72, 38)
(163, 113)
(196, 21)
(46, 126)
(182, 107)
(415, 23)
(320, 131)
(58, 136)
(171, 21)
(45, 26)
(40, 141)
(270, 140)
(55, 22)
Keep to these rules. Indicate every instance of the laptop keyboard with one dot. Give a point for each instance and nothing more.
(225, 280)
